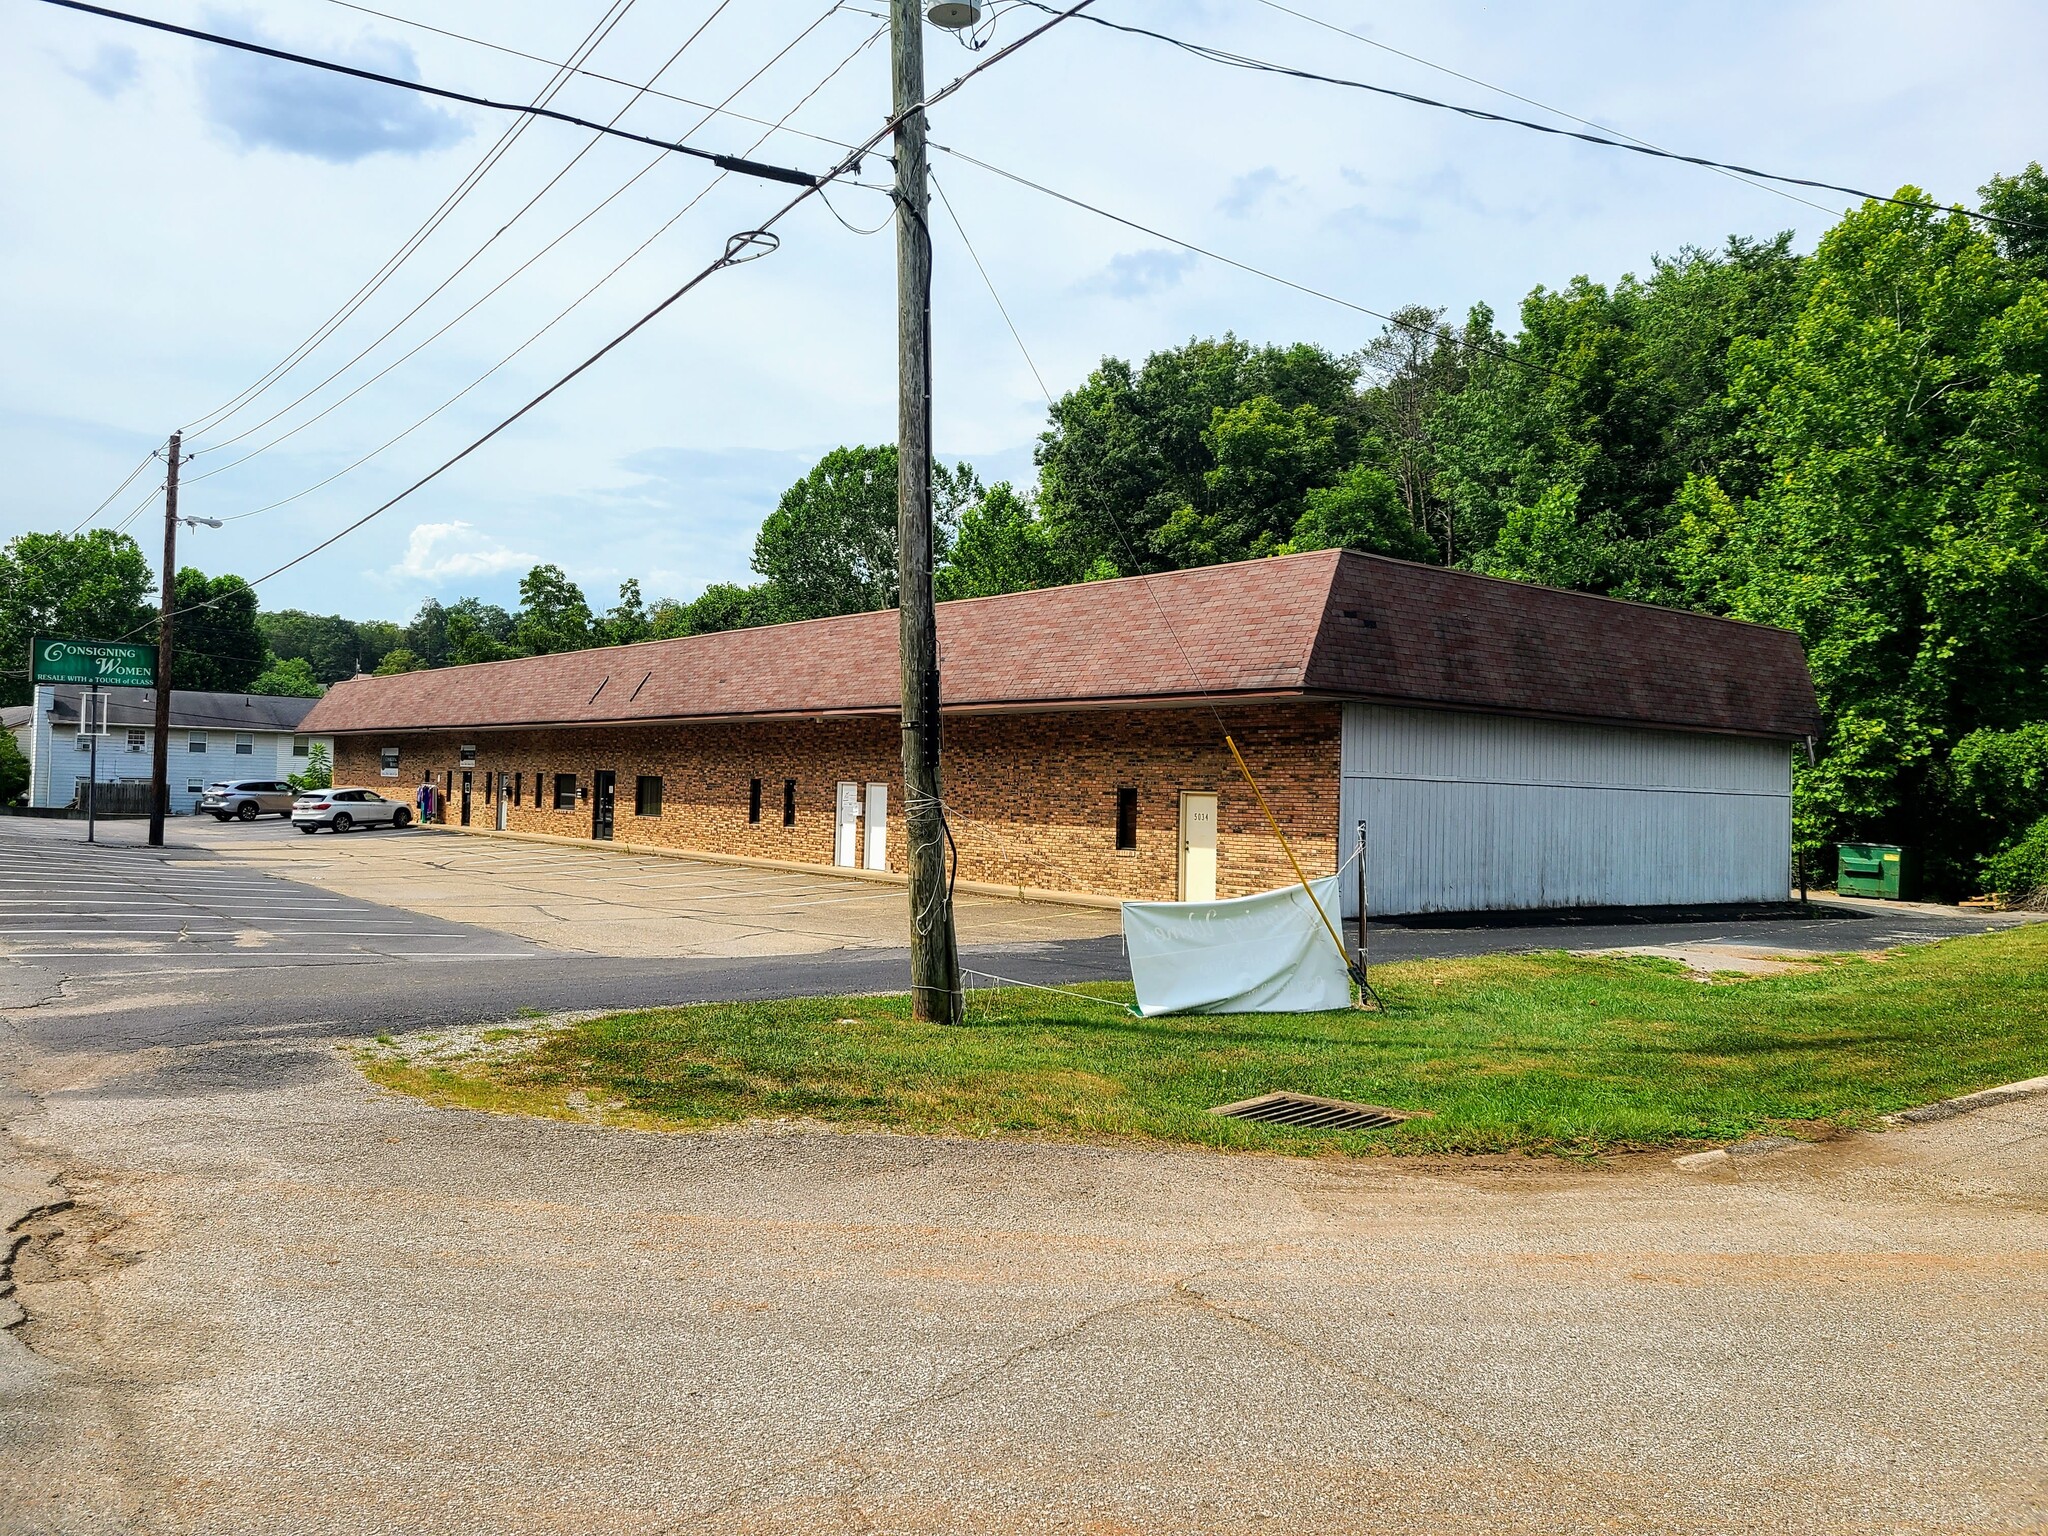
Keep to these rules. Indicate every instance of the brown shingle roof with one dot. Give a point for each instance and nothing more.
(1329, 623)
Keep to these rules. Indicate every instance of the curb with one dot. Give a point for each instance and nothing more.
(1984, 1098)
(1924, 1114)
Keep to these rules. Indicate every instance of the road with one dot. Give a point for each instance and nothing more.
(284, 1301)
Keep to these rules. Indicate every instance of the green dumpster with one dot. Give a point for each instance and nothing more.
(1871, 869)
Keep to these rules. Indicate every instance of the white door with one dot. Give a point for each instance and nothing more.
(845, 824)
(1197, 847)
(501, 800)
(875, 855)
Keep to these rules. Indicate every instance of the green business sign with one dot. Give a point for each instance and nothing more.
(110, 663)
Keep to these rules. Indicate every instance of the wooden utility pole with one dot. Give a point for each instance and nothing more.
(934, 952)
(160, 748)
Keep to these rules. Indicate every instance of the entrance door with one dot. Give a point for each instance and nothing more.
(845, 824)
(503, 779)
(1197, 847)
(465, 796)
(603, 790)
(875, 855)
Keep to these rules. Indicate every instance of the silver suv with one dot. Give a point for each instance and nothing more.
(247, 799)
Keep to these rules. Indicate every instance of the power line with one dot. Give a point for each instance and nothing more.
(410, 246)
(571, 307)
(147, 459)
(739, 248)
(588, 74)
(723, 162)
(1440, 333)
(1501, 90)
(467, 261)
(1263, 66)
(1002, 308)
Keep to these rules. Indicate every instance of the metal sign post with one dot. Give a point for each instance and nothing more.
(1365, 990)
(90, 720)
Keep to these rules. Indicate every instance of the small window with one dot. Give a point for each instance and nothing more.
(469, 757)
(196, 742)
(565, 791)
(387, 758)
(518, 787)
(753, 800)
(448, 781)
(789, 802)
(245, 744)
(1126, 818)
(195, 787)
(487, 787)
(647, 796)
(85, 741)
(301, 746)
(137, 740)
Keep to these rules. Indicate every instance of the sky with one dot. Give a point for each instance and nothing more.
(177, 219)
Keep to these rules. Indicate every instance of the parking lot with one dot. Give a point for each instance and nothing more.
(618, 901)
(65, 901)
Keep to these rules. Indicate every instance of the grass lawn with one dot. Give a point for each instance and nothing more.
(1540, 1052)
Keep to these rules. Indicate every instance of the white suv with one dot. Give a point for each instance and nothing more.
(342, 809)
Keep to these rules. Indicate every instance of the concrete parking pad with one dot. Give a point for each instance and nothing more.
(622, 902)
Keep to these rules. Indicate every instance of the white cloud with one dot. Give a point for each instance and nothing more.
(442, 552)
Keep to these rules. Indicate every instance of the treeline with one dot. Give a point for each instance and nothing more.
(1851, 443)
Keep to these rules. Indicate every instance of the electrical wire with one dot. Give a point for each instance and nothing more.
(590, 74)
(410, 246)
(560, 315)
(1004, 309)
(1440, 333)
(139, 507)
(1264, 66)
(147, 460)
(473, 256)
(736, 250)
(723, 162)
(1501, 90)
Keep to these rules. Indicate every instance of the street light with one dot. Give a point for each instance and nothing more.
(195, 522)
(954, 15)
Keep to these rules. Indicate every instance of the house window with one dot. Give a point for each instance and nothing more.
(518, 787)
(789, 802)
(387, 757)
(196, 742)
(469, 757)
(301, 746)
(753, 800)
(487, 787)
(85, 741)
(565, 791)
(1126, 818)
(195, 786)
(647, 796)
(245, 744)
(137, 740)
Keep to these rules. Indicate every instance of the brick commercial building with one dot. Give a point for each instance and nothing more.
(1508, 745)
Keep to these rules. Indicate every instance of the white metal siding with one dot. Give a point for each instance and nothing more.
(1473, 812)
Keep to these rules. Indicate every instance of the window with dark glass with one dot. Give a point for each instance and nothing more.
(518, 787)
(1127, 818)
(387, 759)
(753, 800)
(647, 795)
(565, 791)
(789, 802)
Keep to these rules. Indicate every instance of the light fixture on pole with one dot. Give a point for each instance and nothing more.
(953, 15)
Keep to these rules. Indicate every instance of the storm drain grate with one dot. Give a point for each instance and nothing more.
(1309, 1113)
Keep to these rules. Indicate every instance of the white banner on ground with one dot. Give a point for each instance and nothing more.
(1268, 953)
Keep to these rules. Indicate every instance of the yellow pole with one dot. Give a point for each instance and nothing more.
(1285, 848)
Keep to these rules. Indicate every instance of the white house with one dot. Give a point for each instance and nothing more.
(214, 736)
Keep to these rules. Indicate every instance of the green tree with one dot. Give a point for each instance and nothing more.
(1408, 370)
(91, 587)
(333, 646)
(426, 637)
(13, 770)
(829, 546)
(216, 644)
(1899, 529)
(1133, 449)
(1002, 545)
(2023, 200)
(396, 660)
(725, 605)
(475, 630)
(319, 772)
(553, 614)
(288, 677)
(629, 621)
(1365, 510)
